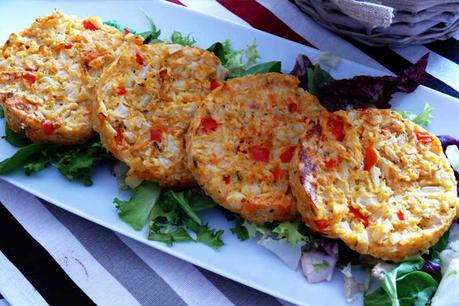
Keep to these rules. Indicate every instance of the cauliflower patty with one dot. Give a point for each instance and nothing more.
(241, 140)
(145, 101)
(48, 75)
(378, 182)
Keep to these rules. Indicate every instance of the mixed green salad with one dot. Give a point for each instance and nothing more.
(174, 216)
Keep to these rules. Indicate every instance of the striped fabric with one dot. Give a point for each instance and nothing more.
(50, 256)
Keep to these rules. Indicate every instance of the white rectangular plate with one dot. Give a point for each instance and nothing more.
(245, 262)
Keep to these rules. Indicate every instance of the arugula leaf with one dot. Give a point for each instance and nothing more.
(218, 50)
(180, 199)
(184, 40)
(317, 78)
(20, 158)
(137, 209)
(16, 139)
(290, 231)
(119, 26)
(263, 68)
(205, 234)
(424, 118)
(78, 162)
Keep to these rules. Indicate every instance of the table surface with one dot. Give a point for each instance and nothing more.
(133, 273)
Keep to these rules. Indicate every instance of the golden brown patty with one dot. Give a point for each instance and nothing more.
(378, 182)
(48, 75)
(146, 99)
(241, 140)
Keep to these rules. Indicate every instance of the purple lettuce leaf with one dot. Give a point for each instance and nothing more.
(364, 91)
(448, 141)
(431, 267)
(360, 91)
(300, 70)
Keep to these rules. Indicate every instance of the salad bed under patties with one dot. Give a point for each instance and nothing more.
(375, 180)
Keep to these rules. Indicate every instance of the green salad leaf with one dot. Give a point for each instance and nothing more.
(79, 162)
(405, 285)
(136, 210)
(219, 51)
(290, 230)
(151, 36)
(263, 68)
(20, 158)
(43, 159)
(440, 245)
(184, 40)
(205, 234)
(199, 201)
(15, 139)
(242, 62)
(245, 230)
(2, 113)
(424, 118)
(317, 78)
(74, 162)
(181, 200)
(175, 214)
(168, 234)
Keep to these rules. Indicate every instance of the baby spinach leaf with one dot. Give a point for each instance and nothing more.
(16, 139)
(20, 158)
(263, 68)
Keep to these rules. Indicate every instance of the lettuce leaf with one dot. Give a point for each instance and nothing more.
(181, 39)
(174, 216)
(290, 231)
(137, 209)
(360, 91)
(205, 234)
(22, 157)
(424, 118)
(404, 285)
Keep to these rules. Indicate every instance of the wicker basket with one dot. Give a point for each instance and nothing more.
(387, 22)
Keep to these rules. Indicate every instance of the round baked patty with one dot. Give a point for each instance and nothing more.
(375, 180)
(241, 140)
(48, 74)
(145, 102)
